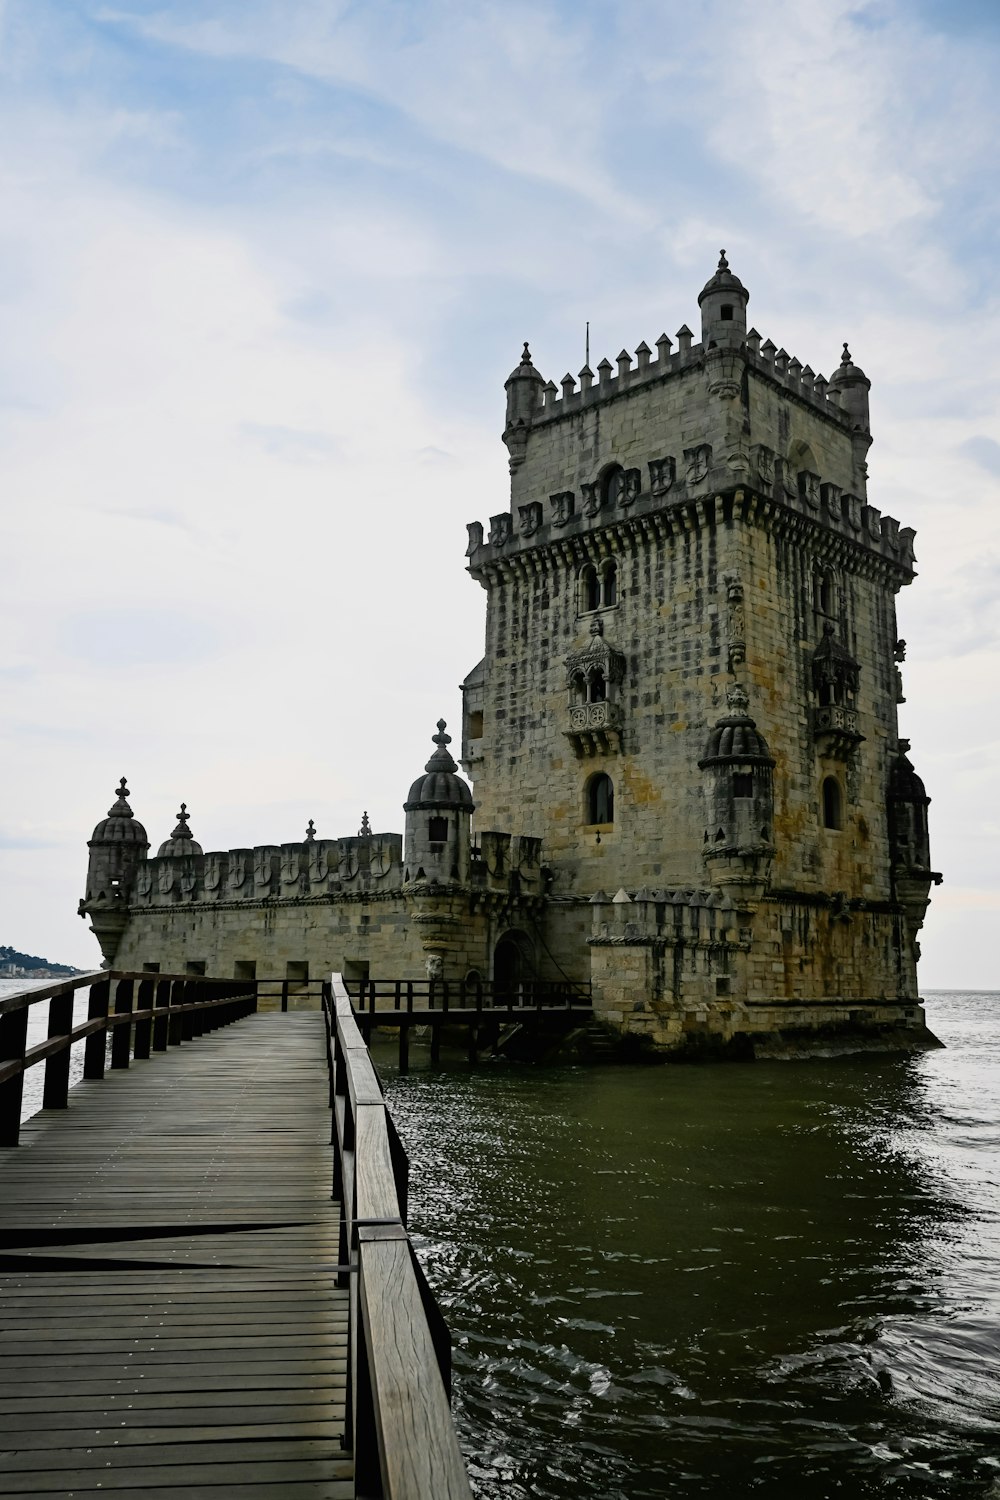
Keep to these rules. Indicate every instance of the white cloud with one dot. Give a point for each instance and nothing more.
(247, 416)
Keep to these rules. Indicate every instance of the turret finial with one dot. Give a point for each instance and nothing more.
(311, 832)
(723, 262)
(526, 354)
(121, 808)
(441, 738)
(182, 831)
(845, 358)
(365, 831)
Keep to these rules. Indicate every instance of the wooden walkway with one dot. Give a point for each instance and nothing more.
(170, 1323)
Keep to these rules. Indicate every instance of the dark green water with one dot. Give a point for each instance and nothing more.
(774, 1279)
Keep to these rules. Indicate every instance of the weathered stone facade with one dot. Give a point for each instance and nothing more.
(687, 775)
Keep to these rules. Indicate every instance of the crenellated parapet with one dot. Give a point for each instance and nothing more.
(686, 917)
(654, 434)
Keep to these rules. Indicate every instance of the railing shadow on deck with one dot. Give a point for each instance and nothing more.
(399, 1376)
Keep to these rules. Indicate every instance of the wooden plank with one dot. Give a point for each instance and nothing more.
(196, 1342)
(416, 1438)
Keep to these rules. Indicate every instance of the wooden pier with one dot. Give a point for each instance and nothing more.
(206, 1284)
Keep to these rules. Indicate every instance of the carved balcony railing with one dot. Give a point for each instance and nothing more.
(594, 728)
(835, 730)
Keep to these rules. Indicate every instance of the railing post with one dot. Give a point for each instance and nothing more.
(187, 1016)
(143, 1029)
(121, 1037)
(175, 1026)
(55, 1091)
(95, 1048)
(13, 1040)
(161, 1025)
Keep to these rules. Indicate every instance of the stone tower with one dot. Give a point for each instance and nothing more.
(117, 848)
(689, 690)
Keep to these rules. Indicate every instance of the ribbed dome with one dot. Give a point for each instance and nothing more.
(904, 783)
(439, 786)
(736, 737)
(525, 370)
(120, 826)
(723, 281)
(181, 840)
(848, 373)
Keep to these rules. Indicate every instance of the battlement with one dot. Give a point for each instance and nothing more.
(613, 381)
(651, 434)
(273, 872)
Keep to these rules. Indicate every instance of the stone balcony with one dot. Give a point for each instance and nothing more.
(835, 730)
(594, 728)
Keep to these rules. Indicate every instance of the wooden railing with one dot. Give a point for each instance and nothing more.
(399, 1370)
(466, 996)
(142, 1013)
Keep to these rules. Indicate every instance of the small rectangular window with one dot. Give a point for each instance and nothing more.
(245, 968)
(727, 313)
(743, 784)
(151, 968)
(195, 966)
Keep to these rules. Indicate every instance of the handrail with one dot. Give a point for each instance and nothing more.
(142, 1013)
(482, 996)
(399, 1421)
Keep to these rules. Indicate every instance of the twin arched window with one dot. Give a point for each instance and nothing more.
(598, 586)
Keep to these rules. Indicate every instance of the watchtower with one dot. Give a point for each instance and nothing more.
(689, 688)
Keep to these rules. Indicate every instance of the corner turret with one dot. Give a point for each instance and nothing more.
(438, 811)
(117, 848)
(739, 833)
(723, 302)
(524, 388)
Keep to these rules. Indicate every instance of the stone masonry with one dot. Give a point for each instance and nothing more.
(687, 778)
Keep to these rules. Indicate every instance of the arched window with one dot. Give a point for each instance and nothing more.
(609, 583)
(437, 830)
(600, 799)
(612, 484)
(578, 689)
(824, 591)
(590, 589)
(598, 687)
(833, 803)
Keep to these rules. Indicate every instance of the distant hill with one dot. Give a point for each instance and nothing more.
(12, 962)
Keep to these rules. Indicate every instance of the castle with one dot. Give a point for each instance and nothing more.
(688, 785)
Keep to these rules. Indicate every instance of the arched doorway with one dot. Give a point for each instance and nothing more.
(513, 962)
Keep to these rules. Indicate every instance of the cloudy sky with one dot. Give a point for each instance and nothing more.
(264, 267)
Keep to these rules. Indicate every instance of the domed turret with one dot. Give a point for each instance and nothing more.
(739, 831)
(117, 848)
(852, 385)
(723, 302)
(524, 388)
(908, 803)
(181, 841)
(438, 812)
(121, 825)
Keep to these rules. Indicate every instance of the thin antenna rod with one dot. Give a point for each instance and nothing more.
(587, 355)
